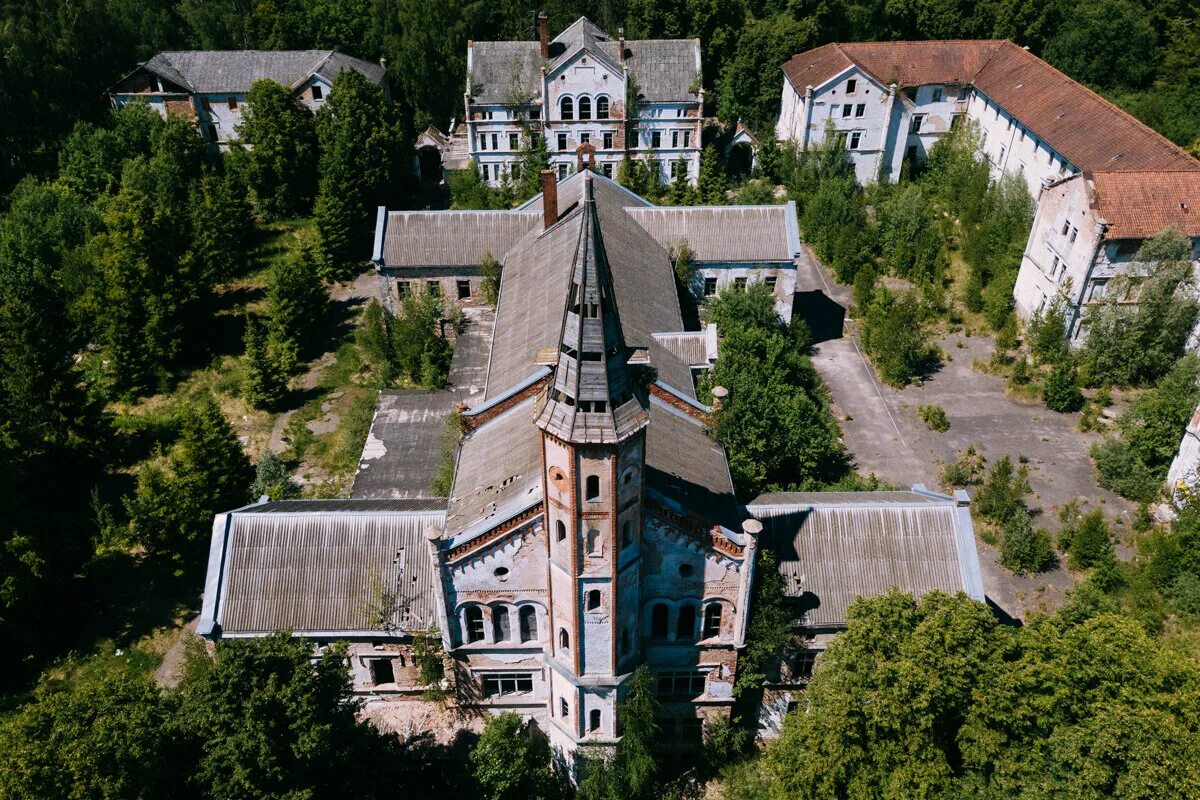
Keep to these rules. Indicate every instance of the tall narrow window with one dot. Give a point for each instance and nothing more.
(500, 623)
(527, 617)
(564, 710)
(851, 85)
(712, 621)
(566, 108)
(562, 141)
(560, 530)
(847, 110)
(685, 625)
(594, 546)
(608, 140)
(474, 617)
(658, 621)
(232, 103)
(626, 533)
(656, 139)
(594, 720)
(564, 639)
(602, 107)
(593, 487)
(585, 107)
(593, 600)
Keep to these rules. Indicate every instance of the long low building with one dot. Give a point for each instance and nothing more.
(1103, 181)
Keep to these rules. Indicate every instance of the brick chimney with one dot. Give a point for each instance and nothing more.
(585, 151)
(549, 198)
(544, 34)
(621, 44)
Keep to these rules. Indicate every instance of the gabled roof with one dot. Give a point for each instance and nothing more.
(1141, 204)
(215, 71)
(833, 548)
(333, 568)
(502, 72)
(751, 234)
(450, 238)
(1089, 131)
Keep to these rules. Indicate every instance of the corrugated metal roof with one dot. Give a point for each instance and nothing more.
(328, 572)
(404, 445)
(723, 233)
(842, 547)
(214, 71)
(353, 506)
(452, 238)
(689, 347)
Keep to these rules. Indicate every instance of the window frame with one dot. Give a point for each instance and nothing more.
(506, 683)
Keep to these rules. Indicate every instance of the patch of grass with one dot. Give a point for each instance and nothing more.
(966, 470)
(443, 479)
(934, 417)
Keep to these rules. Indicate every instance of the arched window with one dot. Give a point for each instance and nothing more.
(564, 639)
(560, 530)
(602, 107)
(500, 624)
(593, 600)
(712, 620)
(658, 621)
(527, 618)
(593, 487)
(594, 720)
(585, 107)
(474, 618)
(595, 546)
(626, 533)
(566, 108)
(685, 624)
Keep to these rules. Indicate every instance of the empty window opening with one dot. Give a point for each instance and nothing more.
(501, 573)
(564, 639)
(594, 720)
(507, 683)
(434, 288)
(595, 546)
(585, 107)
(739, 284)
(685, 625)
(403, 288)
(563, 708)
(686, 570)
(500, 623)
(623, 647)
(771, 280)
(626, 533)
(562, 141)
(710, 287)
(658, 621)
(560, 530)
(381, 671)
(464, 289)
(712, 621)
(233, 104)
(656, 139)
(593, 600)
(847, 110)
(851, 85)
(585, 138)
(567, 108)
(593, 487)
(527, 618)
(474, 618)
(602, 107)
(860, 110)
(606, 169)
(317, 91)
(917, 121)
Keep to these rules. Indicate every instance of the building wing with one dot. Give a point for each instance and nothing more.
(725, 234)
(503, 73)
(235, 71)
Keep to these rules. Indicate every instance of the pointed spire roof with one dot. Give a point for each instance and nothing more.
(592, 398)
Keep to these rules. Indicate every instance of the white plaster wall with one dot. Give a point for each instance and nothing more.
(1009, 152)
(1183, 477)
(828, 102)
(790, 125)
(785, 282)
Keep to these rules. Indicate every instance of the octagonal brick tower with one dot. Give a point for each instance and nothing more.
(593, 423)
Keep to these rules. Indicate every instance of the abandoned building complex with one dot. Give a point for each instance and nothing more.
(209, 87)
(592, 524)
(1103, 182)
(641, 98)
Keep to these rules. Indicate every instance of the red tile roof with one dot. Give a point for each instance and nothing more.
(1141, 204)
(1090, 132)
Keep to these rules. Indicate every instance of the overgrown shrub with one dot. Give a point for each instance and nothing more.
(966, 470)
(1023, 548)
(489, 285)
(894, 337)
(1119, 470)
(934, 418)
(1003, 492)
(1060, 391)
(1089, 544)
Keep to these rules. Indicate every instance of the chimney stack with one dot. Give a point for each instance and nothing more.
(621, 43)
(549, 198)
(544, 34)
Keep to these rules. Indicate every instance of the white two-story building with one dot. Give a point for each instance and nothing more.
(209, 87)
(1103, 181)
(577, 89)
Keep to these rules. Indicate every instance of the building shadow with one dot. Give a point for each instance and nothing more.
(824, 316)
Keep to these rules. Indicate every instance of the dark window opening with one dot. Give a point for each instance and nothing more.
(685, 625)
(233, 104)
(382, 671)
(474, 624)
(710, 287)
(564, 638)
(560, 530)
(594, 720)
(626, 534)
(712, 621)
(403, 288)
(655, 139)
(514, 141)
(562, 141)
(589, 356)
(567, 108)
(585, 138)
(593, 600)
(602, 107)
(464, 289)
(585, 107)
(658, 621)
(686, 570)
(851, 85)
(771, 280)
(802, 667)
(681, 684)
(434, 288)
(500, 623)
(212, 132)
(527, 618)
(564, 710)
(739, 283)
(608, 140)
(317, 91)
(593, 487)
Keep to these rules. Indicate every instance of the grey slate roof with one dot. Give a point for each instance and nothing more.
(404, 445)
(504, 71)
(665, 70)
(321, 569)
(833, 548)
(670, 368)
(214, 71)
(726, 233)
(498, 474)
(451, 238)
(686, 467)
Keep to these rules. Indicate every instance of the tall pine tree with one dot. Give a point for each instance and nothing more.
(299, 308)
(281, 166)
(263, 382)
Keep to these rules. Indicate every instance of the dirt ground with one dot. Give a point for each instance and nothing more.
(886, 437)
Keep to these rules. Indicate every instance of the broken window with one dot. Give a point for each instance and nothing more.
(847, 110)
(802, 666)
(504, 683)
(685, 624)
(681, 684)
(602, 107)
(566, 108)
(740, 284)
(851, 85)
(937, 95)
(527, 623)
(562, 141)
(317, 91)
(500, 624)
(403, 288)
(233, 103)
(585, 107)
(710, 287)
(658, 621)
(860, 109)
(514, 141)
(917, 121)
(712, 621)
(607, 170)
(771, 280)
(474, 618)
(434, 288)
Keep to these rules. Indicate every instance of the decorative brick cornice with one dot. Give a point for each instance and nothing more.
(696, 528)
(680, 405)
(474, 421)
(501, 530)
